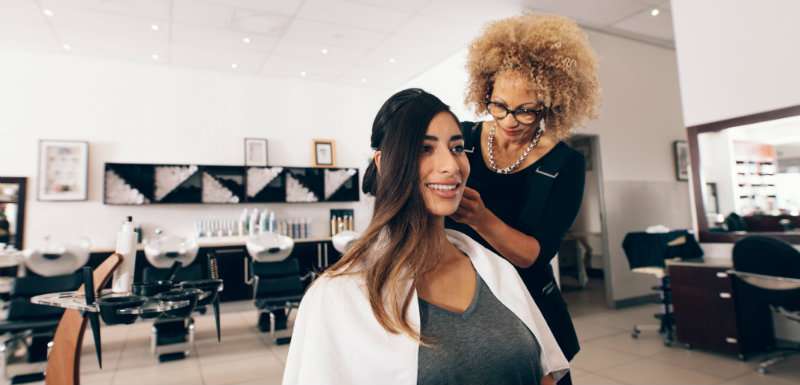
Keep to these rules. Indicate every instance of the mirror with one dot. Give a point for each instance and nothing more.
(746, 176)
(12, 211)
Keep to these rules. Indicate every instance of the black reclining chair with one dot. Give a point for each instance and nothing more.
(29, 328)
(768, 269)
(278, 288)
(173, 337)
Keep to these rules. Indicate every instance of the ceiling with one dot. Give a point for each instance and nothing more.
(373, 43)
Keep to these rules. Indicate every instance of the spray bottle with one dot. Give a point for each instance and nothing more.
(126, 245)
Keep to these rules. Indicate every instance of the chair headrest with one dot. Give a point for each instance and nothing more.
(767, 256)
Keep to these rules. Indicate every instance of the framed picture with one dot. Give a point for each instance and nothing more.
(255, 152)
(681, 160)
(324, 153)
(63, 170)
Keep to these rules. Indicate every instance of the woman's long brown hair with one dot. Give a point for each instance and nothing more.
(401, 242)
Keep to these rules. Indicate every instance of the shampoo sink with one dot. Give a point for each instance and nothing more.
(269, 247)
(163, 251)
(343, 240)
(57, 258)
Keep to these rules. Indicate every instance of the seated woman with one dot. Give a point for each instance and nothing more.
(411, 302)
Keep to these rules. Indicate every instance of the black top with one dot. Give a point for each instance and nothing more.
(505, 194)
(466, 351)
(511, 196)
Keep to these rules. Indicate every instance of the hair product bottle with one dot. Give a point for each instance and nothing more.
(126, 245)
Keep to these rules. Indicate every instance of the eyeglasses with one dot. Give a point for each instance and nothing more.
(522, 115)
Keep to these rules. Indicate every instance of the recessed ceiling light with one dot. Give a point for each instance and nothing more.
(48, 12)
(155, 57)
(324, 51)
(67, 47)
(154, 27)
(391, 60)
(234, 65)
(363, 80)
(303, 73)
(655, 12)
(246, 40)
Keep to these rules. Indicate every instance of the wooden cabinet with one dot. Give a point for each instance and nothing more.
(709, 315)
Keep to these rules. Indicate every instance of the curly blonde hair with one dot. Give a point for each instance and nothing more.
(552, 52)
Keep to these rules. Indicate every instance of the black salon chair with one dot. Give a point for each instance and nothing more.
(173, 337)
(647, 253)
(278, 288)
(768, 269)
(29, 328)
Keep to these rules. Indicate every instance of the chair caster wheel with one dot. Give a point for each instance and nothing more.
(635, 334)
(687, 346)
(667, 343)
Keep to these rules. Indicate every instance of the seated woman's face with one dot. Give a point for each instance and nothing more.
(443, 168)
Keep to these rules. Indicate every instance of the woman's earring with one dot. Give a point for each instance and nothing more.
(541, 125)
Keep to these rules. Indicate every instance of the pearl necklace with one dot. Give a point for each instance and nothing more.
(519, 161)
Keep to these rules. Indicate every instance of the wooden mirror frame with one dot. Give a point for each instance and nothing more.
(22, 182)
(704, 234)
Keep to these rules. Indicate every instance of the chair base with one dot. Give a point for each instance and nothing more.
(172, 338)
(25, 356)
(275, 320)
(775, 357)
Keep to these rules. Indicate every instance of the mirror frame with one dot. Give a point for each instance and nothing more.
(21, 196)
(704, 234)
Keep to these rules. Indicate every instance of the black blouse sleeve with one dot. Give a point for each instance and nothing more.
(561, 208)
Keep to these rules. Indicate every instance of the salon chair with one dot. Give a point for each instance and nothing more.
(647, 253)
(768, 269)
(29, 328)
(278, 288)
(172, 337)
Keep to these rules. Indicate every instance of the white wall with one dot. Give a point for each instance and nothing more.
(134, 113)
(640, 119)
(736, 58)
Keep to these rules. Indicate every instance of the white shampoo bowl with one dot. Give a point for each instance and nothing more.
(343, 240)
(163, 251)
(57, 258)
(269, 247)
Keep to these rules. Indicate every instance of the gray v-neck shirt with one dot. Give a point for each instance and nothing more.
(486, 344)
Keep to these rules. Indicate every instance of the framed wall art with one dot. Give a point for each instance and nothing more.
(63, 170)
(324, 153)
(255, 152)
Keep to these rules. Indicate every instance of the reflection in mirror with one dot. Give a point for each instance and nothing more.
(12, 211)
(749, 177)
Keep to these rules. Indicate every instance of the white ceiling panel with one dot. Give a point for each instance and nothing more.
(200, 13)
(332, 34)
(405, 5)
(281, 7)
(157, 9)
(184, 33)
(286, 36)
(353, 14)
(590, 12)
(659, 26)
(438, 29)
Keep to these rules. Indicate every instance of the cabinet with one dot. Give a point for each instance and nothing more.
(709, 315)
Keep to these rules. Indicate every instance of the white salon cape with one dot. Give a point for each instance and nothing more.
(337, 340)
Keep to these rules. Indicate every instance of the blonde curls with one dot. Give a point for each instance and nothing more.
(552, 52)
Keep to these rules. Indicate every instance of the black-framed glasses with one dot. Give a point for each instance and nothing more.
(522, 115)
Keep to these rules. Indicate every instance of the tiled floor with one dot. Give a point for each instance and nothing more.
(245, 356)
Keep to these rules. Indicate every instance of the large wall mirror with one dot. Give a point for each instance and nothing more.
(746, 176)
(12, 211)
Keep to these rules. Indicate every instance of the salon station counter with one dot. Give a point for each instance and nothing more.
(709, 315)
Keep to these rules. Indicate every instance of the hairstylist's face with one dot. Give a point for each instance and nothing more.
(512, 91)
(443, 168)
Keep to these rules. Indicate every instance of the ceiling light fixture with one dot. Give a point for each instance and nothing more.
(234, 65)
(48, 12)
(155, 57)
(246, 40)
(655, 12)
(303, 73)
(324, 51)
(363, 80)
(154, 27)
(391, 60)
(67, 47)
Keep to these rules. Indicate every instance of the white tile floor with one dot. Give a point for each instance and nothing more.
(245, 356)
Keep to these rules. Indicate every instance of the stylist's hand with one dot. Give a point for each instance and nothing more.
(471, 211)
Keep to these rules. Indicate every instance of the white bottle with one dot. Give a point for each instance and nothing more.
(126, 245)
(262, 222)
(242, 224)
(253, 225)
(272, 222)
